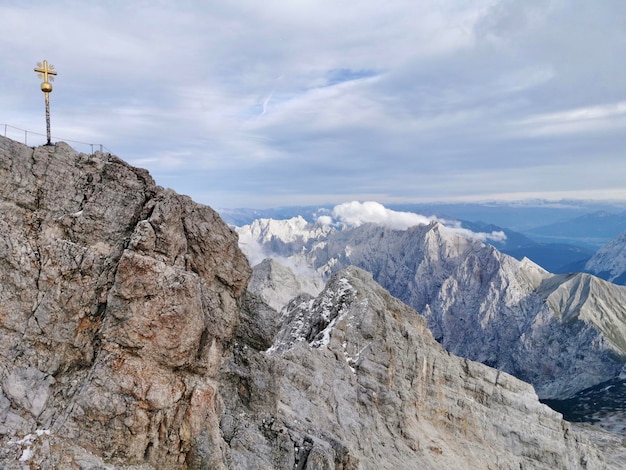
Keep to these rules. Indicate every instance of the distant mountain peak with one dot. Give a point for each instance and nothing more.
(481, 303)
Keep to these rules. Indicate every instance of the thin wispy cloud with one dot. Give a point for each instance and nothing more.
(588, 119)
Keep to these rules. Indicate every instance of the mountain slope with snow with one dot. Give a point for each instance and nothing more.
(276, 284)
(365, 365)
(560, 333)
(609, 262)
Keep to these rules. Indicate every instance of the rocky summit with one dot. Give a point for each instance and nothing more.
(129, 340)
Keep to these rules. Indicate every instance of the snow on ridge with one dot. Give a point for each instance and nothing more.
(313, 319)
(254, 236)
(287, 231)
(27, 441)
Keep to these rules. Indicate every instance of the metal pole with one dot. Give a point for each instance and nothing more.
(46, 71)
(48, 118)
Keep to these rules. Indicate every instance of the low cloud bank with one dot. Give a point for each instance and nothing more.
(495, 236)
(355, 213)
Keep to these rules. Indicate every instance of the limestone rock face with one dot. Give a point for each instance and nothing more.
(609, 262)
(363, 384)
(117, 298)
(562, 333)
(277, 284)
(128, 340)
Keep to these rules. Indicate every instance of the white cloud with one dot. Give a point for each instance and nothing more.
(496, 235)
(587, 119)
(355, 213)
(324, 220)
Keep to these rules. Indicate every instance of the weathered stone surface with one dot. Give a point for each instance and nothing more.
(118, 299)
(562, 333)
(609, 262)
(128, 340)
(363, 384)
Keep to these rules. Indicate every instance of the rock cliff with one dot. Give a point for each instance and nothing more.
(277, 284)
(128, 340)
(117, 301)
(562, 333)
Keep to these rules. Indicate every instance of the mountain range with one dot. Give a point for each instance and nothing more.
(559, 236)
(562, 333)
(131, 338)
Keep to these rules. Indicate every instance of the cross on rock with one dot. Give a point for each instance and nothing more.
(45, 70)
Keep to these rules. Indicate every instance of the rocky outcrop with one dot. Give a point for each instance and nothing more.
(395, 399)
(118, 299)
(128, 340)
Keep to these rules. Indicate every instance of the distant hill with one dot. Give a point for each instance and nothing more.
(521, 216)
(593, 230)
(557, 258)
(585, 224)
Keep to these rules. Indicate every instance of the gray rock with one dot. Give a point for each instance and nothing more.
(277, 284)
(562, 333)
(128, 340)
(609, 262)
(119, 299)
(369, 387)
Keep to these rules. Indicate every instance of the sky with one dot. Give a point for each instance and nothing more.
(243, 103)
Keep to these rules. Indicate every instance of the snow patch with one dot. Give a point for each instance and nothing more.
(27, 441)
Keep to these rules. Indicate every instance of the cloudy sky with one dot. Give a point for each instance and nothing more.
(248, 103)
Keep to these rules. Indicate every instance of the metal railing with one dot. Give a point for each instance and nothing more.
(26, 133)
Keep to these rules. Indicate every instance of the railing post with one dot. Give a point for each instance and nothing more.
(26, 132)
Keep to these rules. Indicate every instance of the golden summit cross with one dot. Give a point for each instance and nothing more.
(43, 71)
(47, 72)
